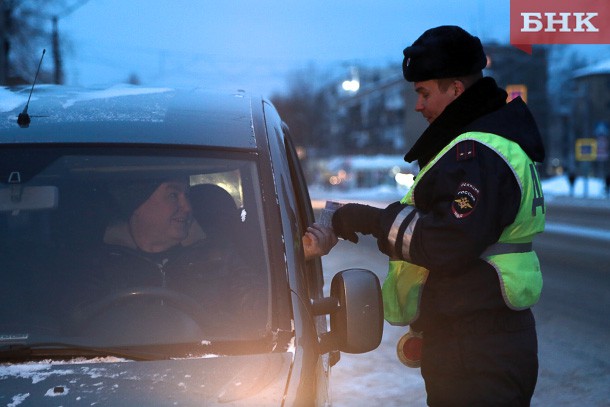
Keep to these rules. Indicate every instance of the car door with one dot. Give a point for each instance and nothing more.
(308, 274)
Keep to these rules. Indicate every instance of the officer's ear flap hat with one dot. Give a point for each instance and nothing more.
(443, 52)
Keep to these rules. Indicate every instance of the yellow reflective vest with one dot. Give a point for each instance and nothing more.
(512, 257)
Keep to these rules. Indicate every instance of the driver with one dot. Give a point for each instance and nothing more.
(156, 219)
(152, 243)
(154, 251)
(163, 220)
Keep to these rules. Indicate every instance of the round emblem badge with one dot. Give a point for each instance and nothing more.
(466, 199)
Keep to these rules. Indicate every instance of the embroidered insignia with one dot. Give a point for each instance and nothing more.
(465, 200)
(465, 150)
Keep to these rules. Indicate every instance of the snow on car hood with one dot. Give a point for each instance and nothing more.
(250, 380)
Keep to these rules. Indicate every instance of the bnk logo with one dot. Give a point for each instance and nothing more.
(532, 22)
(559, 22)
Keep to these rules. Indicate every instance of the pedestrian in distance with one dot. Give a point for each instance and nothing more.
(572, 181)
(462, 271)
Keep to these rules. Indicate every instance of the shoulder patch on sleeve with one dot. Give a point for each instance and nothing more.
(465, 200)
(465, 150)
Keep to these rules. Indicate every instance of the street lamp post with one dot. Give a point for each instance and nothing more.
(352, 85)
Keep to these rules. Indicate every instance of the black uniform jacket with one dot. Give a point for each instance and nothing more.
(449, 241)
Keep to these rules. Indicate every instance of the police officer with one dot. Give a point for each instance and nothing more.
(462, 270)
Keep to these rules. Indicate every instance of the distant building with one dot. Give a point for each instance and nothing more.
(373, 124)
(379, 116)
(590, 114)
(517, 72)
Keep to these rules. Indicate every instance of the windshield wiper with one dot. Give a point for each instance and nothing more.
(62, 350)
(19, 350)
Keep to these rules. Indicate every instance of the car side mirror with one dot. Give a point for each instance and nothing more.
(356, 312)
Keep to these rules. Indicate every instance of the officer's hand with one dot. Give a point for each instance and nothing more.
(356, 218)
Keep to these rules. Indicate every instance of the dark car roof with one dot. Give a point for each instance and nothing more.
(128, 114)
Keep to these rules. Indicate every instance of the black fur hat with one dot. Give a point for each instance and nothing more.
(130, 195)
(443, 52)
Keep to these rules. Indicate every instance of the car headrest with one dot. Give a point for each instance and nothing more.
(213, 208)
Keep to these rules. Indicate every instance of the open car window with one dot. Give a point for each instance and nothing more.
(74, 271)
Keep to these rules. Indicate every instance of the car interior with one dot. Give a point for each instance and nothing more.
(64, 207)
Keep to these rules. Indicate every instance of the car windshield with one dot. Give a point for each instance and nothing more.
(108, 247)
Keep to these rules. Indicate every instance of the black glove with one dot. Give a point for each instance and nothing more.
(352, 218)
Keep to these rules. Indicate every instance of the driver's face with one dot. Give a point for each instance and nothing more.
(165, 217)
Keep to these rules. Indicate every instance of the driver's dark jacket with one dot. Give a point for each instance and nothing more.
(190, 270)
(459, 282)
(213, 275)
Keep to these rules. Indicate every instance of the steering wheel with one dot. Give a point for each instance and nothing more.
(177, 300)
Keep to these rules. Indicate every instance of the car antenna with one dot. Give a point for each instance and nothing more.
(24, 118)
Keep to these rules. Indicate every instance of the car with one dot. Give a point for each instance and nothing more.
(240, 319)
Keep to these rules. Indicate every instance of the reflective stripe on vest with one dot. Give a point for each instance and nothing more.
(512, 257)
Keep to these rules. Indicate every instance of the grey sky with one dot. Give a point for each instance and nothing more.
(254, 45)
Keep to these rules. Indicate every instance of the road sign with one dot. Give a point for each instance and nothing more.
(515, 91)
(586, 149)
